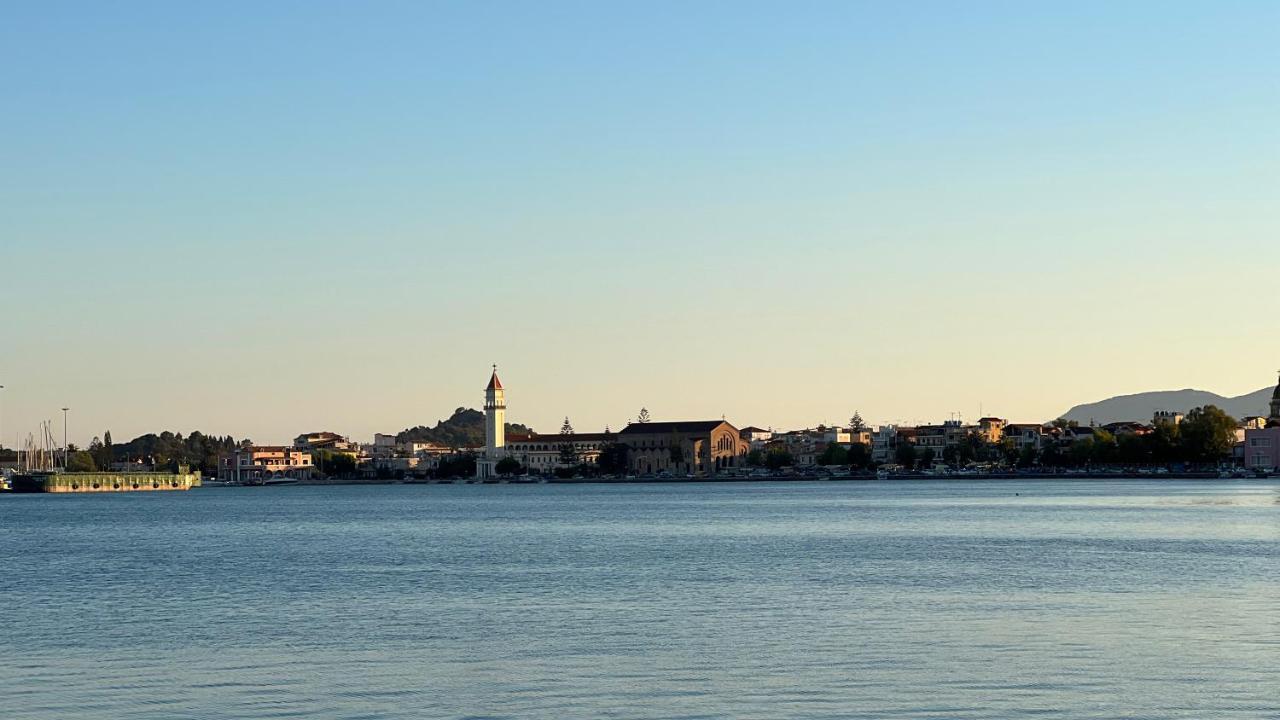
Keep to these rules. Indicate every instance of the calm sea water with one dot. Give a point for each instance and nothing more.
(1088, 599)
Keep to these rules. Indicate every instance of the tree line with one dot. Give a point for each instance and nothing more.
(197, 450)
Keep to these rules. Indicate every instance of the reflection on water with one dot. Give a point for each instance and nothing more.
(1085, 599)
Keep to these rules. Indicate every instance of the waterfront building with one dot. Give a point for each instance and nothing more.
(756, 437)
(905, 435)
(1262, 445)
(545, 453)
(884, 443)
(396, 464)
(495, 428)
(326, 440)
(1127, 428)
(808, 445)
(261, 462)
(1025, 435)
(951, 433)
(931, 437)
(991, 429)
(1262, 449)
(386, 447)
(805, 446)
(834, 436)
(421, 449)
(699, 447)
(1077, 433)
(383, 446)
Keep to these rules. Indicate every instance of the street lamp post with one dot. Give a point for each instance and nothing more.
(66, 451)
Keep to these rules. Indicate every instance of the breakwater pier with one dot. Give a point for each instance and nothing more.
(92, 482)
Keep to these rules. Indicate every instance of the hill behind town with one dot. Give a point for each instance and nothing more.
(1141, 406)
(465, 428)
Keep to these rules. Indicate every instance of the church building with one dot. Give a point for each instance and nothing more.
(696, 447)
(546, 453)
(700, 447)
(1262, 446)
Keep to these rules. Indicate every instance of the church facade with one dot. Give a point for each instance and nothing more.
(697, 447)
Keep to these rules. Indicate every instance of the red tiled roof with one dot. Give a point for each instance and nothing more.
(494, 382)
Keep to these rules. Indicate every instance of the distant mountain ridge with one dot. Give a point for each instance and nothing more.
(1141, 406)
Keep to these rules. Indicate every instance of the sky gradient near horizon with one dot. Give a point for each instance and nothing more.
(260, 219)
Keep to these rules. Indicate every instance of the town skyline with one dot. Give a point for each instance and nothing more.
(548, 421)
(273, 217)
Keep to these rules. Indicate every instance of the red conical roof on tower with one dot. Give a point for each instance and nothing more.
(494, 382)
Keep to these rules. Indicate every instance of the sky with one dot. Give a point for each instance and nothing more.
(261, 219)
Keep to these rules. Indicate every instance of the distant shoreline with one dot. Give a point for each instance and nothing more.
(862, 477)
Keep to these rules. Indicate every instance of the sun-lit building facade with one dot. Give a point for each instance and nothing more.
(264, 462)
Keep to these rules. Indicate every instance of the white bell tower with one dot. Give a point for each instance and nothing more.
(495, 417)
(495, 427)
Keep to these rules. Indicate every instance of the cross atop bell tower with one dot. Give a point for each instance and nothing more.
(494, 397)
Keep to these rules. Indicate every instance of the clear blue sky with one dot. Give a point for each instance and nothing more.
(265, 218)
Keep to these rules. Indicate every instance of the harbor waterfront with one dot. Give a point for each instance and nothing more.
(1093, 598)
(1203, 442)
(104, 482)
